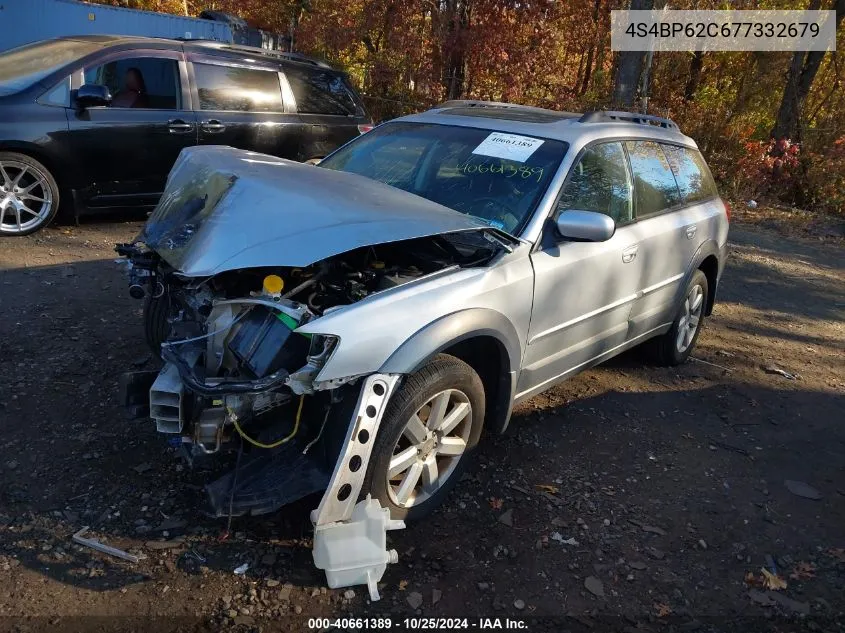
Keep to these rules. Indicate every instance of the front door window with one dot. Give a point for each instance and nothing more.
(139, 82)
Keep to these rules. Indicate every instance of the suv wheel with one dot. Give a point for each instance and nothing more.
(29, 195)
(427, 435)
(674, 347)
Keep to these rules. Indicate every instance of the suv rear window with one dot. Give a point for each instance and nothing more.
(233, 88)
(691, 173)
(322, 92)
(654, 183)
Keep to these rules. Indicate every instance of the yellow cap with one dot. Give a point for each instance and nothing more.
(273, 284)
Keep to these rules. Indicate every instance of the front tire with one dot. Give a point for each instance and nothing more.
(429, 430)
(674, 347)
(29, 195)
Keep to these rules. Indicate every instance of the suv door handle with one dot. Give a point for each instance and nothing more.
(690, 231)
(212, 126)
(179, 126)
(630, 254)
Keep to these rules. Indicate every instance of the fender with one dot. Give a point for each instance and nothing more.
(455, 328)
(709, 247)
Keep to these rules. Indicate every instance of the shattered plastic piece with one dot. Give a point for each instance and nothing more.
(240, 570)
(556, 536)
(354, 552)
(105, 549)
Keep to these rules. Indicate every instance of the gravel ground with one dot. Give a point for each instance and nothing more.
(630, 497)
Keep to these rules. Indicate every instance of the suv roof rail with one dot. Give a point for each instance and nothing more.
(610, 116)
(267, 52)
(477, 103)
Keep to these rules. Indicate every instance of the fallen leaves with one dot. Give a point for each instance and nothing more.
(772, 581)
(803, 571)
(496, 503)
(402, 585)
(767, 580)
(662, 609)
(837, 552)
(548, 488)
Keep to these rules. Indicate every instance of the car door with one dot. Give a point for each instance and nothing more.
(128, 147)
(583, 291)
(330, 111)
(669, 228)
(244, 106)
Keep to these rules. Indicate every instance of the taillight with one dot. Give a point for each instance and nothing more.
(363, 129)
(727, 209)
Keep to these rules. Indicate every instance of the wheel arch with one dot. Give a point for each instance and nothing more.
(42, 156)
(484, 339)
(706, 259)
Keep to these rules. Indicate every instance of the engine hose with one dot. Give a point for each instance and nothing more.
(278, 442)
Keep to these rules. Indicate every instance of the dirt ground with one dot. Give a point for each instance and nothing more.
(629, 498)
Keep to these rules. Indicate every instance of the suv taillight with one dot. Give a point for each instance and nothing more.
(363, 129)
(727, 208)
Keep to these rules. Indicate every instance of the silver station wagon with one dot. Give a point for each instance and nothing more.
(355, 328)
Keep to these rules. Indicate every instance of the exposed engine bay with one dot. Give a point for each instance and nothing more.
(237, 374)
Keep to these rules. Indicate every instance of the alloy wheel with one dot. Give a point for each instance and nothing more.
(25, 197)
(430, 447)
(690, 318)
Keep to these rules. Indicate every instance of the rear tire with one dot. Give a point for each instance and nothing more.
(434, 453)
(674, 347)
(29, 195)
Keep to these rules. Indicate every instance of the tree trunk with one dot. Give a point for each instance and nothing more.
(629, 66)
(588, 71)
(695, 66)
(799, 81)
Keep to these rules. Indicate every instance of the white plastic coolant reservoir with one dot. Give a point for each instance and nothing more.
(354, 552)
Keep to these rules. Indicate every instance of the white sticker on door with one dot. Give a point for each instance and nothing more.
(508, 146)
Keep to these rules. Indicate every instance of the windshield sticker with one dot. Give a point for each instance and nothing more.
(509, 146)
(496, 224)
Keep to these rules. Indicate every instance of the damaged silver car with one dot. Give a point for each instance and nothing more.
(352, 328)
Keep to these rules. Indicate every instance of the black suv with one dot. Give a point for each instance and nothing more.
(98, 121)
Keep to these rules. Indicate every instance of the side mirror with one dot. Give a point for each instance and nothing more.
(90, 95)
(585, 225)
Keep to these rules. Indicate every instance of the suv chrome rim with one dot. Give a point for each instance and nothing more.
(25, 197)
(690, 319)
(429, 449)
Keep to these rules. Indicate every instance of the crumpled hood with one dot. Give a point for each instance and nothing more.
(226, 209)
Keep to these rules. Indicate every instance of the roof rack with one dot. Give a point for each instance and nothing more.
(475, 103)
(610, 116)
(255, 50)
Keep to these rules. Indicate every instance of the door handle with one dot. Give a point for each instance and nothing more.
(690, 231)
(178, 126)
(630, 254)
(212, 126)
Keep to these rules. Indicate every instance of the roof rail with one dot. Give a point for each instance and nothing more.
(475, 103)
(609, 116)
(269, 52)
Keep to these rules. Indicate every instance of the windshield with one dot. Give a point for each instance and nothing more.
(494, 176)
(23, 66)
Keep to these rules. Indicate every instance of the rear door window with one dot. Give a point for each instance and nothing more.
(233, 88)
(655, 189)
(140, 82)
(322, 92)
(691, 173)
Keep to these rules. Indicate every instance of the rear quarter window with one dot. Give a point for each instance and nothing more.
(322, 92)
(691, 173)
(655, 188)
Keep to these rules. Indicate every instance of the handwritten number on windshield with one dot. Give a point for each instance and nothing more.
(506, 170)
